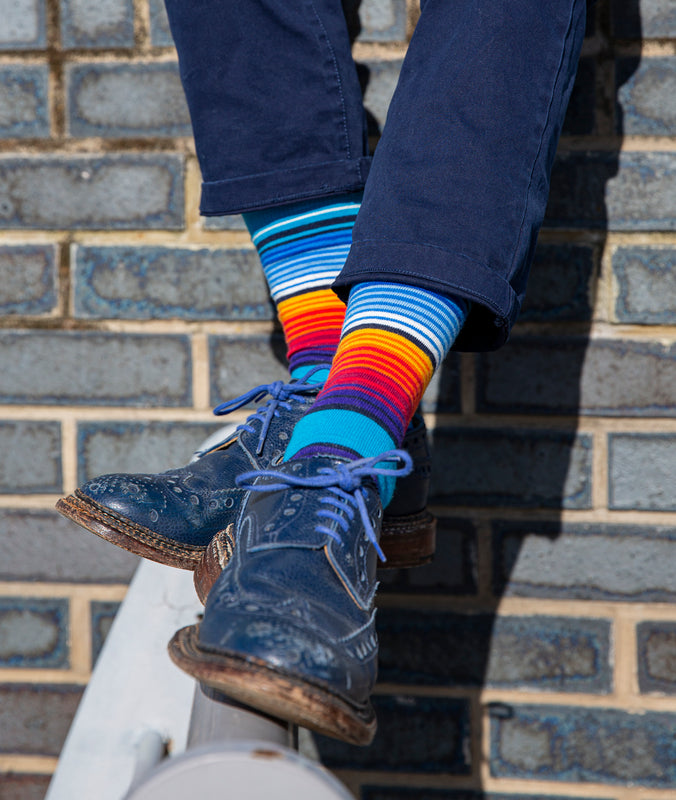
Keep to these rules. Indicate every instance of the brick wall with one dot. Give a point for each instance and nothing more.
(537, 656)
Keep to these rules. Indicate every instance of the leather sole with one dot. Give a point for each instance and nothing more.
(124, 533)
(278, 694)
(407, 541)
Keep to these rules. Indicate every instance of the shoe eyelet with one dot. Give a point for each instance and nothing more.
(229, 502)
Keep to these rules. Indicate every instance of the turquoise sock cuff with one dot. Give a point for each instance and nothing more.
(347, 429)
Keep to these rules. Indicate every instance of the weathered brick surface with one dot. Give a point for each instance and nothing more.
(657, 656)
(102, 617)
(414, 734)
(646, 96)
(105, 23)
(646, 285)
(34, 719)
(24, 110)
(33, 632)
(160, 33)
(584, 561)
(105, 447)
(23, 787)
(169, 283)
(581, 114)
(126, 100)
(453, 570)
(110, 283)
(31, 459)
(381, 81)
(442, 649)
(650, 19)
(382, 20)
(113, 192)
(443, 393)
(238, 363)
(28, 279)
(23, 24)
(506, 467)
(41, 545)
(577, 376)
(584, 744)
(641, 469)
(629, 192)
(94, 369)
(559, 284)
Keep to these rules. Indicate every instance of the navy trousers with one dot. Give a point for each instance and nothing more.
(456, 192)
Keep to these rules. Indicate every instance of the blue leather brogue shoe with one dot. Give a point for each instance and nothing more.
(289, 626)
(408, 534)
(171, 517)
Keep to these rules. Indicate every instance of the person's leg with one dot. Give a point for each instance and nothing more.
(452, 206)
(274, 100)
(280, 134)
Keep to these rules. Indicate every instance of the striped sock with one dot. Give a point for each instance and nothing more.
(394, 337)
(303, 248)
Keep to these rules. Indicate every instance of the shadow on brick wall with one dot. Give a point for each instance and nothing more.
(502, 478)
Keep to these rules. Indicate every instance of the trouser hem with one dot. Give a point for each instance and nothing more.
(495, 305)
(279, 187)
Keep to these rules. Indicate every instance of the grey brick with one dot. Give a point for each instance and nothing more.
(580, 119)
(442, 649)
(34, 632)
(630, 192)
(169, 283)
(657, 657)
(42, 545)
(382, 20)
(126, 100)
(647, 19)
(15, 786)
(121, 192)
(646, 96)
(232, 222)
(24, 24)
(584, 561)
(584, 744)
(525, 468)
(160, 34)
(34, 719)
(443, 393)
(415, 734)
(102, 617)
(381, 80)
(88, 368)
(641, 469)
(151, 447)
(238, 363)
(31, 461)
(453, 571)
(24, 110)
(97, 23)
(27, 279)
(559, 284)
(577, 375)
(646, 285)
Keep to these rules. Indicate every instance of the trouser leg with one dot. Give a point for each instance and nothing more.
(274, 99)
(459, 182)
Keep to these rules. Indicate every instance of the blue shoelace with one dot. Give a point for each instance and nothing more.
(281, 395)
(344, 484)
